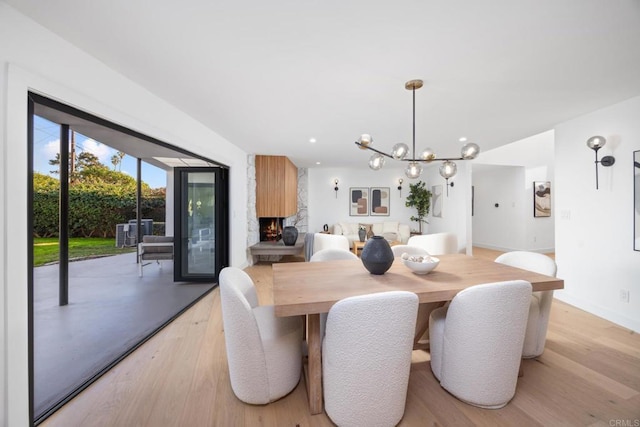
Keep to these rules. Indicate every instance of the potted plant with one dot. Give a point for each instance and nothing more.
(420, 198)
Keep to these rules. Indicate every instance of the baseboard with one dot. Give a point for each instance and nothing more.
(596, 310)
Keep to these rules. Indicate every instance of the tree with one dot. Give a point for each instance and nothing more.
(116, 160)
(420, 198)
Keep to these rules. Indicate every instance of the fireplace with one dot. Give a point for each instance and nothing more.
(271, 229)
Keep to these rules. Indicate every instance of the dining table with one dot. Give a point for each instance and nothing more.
(311, 288)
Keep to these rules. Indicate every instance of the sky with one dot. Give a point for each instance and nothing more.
(47, 143)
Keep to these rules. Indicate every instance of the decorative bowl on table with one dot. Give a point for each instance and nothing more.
(420, 264)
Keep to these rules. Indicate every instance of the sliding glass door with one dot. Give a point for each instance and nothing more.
(201, 215)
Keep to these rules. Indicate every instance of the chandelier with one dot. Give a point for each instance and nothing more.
(400, 151)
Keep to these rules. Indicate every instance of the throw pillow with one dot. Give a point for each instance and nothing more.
(389, 227)
(345, 228)
(390, 237)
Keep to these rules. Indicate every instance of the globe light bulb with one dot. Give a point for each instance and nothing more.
(596, 142)
(400, 151)
(470, 151)
(365, 141)
(376, 162)
(413, 170)
(428, 154)
(448, 169)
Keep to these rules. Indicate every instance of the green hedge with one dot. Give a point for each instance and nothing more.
(94, 207)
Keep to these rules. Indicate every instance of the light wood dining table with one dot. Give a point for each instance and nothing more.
(311, 288)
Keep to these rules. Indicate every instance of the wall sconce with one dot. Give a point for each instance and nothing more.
(400, 181)
(447, 170)
(335, 188)
(596, 143)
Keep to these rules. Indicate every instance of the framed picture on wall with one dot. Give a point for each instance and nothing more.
(358, 201)
(436, 201)
(541, 199)
(380, 198)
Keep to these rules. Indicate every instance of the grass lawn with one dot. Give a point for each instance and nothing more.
(46, 250)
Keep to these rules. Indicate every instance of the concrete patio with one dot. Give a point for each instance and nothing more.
(110, 311)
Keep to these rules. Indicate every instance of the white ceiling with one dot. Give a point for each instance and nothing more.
(270, 75)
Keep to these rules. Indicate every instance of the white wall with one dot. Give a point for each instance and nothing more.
(3, 250)
(506, 174)
(456, 207)
(501, 227)
(325, 208)
(594, 228)
(32, 58)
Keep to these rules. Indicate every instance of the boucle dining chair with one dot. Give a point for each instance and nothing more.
(436, 243)
(332, 254)
(366, 358)
(540, 307)
(325, 241)
(264, 352)
(398, 250)
(476, 342)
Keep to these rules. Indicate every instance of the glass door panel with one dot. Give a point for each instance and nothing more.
(198, 223)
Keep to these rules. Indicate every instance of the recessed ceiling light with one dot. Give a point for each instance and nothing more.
(312, 140)
(463, 139)
(317, 163)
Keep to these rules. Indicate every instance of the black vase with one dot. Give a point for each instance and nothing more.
(377, 255)
(362, 233)
(289, 235)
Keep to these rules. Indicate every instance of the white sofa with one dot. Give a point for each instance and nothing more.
(390, 230)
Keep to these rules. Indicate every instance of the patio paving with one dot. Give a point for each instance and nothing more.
(110, 310)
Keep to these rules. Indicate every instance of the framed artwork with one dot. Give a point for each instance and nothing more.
(380, 197)
(636, 200)
(541, 199)
(358, 201)
(436, 201)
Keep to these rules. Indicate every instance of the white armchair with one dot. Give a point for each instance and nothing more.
(331, 254)
(398, 250)
(366, 358)
(476, 342)
(540, 307)
(264, 352)
(436, 243)
(325, 241)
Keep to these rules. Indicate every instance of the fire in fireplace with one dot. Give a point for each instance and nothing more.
(271, 229)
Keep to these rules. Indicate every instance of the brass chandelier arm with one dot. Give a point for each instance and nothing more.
(443, 159)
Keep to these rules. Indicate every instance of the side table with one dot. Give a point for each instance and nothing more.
(357, 247)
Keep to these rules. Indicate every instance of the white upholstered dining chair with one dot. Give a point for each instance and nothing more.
(436, 243)
(331, 254)
(264, 352)
(366, 358)
(476, 342)
(540, 307)
(398, 250)
(325, 241)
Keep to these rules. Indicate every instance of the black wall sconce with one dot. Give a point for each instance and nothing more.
(400, 181)
(596, 143)
(335, 188)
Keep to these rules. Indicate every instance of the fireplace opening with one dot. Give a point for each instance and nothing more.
(271, 229)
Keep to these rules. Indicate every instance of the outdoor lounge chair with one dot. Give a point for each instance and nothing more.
(154, 248)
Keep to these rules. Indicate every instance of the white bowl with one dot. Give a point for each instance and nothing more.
(421, 267)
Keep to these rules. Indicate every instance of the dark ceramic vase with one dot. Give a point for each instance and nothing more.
(289, 235)
(362, 233)
(377, 255)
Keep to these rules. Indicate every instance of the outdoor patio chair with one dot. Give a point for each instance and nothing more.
(154, 248)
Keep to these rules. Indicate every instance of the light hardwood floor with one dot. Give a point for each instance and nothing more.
(589, 374)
